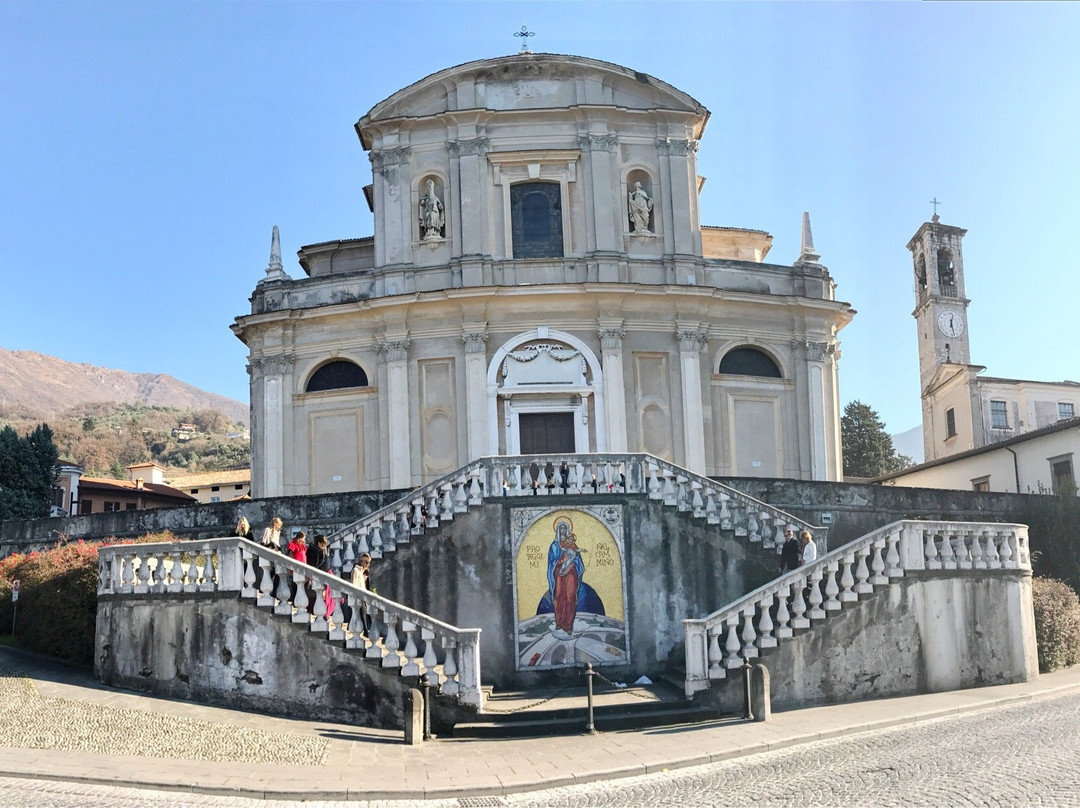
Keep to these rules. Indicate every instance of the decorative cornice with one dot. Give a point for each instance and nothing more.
(480, 145)
(676, 147)
(475, 341)
(607, 143)
(691, 339)
(271, 365)
(611, 338)
(390, 157)
(393, 350)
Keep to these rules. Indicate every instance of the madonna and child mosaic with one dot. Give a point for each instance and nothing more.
(569, 587)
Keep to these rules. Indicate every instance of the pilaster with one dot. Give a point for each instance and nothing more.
(475, 336)
(611, 341)
(692, 339)
(271, 379)
(395, 353)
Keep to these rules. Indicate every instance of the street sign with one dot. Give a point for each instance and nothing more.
(15, 591)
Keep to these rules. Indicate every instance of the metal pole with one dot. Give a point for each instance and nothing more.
(424, 683)
(14, 613)
(748, 714)
(590, 727)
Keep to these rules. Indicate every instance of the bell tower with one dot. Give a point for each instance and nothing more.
(940, 304)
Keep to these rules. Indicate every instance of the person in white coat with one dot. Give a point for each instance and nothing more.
(809, 549)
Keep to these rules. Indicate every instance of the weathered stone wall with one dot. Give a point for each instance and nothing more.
(928, 632)
(221, 650)
(676, 567)
(315, 514)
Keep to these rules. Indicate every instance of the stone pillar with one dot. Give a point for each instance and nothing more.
(692, 341)
(472, 196)
(390, 169)
(396, 353)
(475, 337)
(602, 201)
(679, 167)
(611, 337)
(414, 717)
(271, 377)
(820, 387)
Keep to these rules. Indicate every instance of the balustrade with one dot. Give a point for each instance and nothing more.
(792, 602)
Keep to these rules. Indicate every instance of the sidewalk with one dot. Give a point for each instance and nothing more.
(73, 729)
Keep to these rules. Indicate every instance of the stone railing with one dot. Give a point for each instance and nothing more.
(398, 637)
(569, 475)
(761, 619)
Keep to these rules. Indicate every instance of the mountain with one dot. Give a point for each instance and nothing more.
(910, 443)
(38, 383)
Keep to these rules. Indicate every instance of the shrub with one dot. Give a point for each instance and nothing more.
(57, 597)
(1057, 623)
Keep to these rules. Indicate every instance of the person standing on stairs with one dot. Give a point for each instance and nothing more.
(809, 549)
(361, 577)
(271, 535)
(791, 554)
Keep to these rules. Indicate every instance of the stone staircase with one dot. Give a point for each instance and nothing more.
(758, 622)
(566, 476)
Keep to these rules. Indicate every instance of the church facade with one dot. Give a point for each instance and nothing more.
(538, 281)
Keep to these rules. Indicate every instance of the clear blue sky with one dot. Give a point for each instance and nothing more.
(147, 148)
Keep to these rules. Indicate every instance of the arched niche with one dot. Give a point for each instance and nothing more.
(632, 177)
(545, 371)
(423, 226)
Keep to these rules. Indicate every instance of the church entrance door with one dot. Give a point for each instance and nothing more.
(546, 432)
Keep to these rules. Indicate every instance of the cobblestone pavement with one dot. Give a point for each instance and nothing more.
(1020, 755)
(33, 721)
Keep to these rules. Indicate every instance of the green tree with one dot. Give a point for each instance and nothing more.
(868, 448)
(28, 473)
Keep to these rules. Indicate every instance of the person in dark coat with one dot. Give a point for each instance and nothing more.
(791, 553)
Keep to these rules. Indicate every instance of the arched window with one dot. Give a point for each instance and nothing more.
(536, 220)
(336, 376)
(749, 362)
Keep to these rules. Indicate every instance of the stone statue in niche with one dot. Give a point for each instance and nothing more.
(431, 214)
(640, 209)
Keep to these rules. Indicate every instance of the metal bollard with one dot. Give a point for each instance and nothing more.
(426, 685)
(590, 727)
(748, 712)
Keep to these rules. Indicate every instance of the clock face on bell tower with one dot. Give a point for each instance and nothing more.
(950, 322)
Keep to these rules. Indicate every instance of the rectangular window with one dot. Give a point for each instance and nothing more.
(980, 484)
(111, 506)
(130, 506)
(215, 499)
(194, 490)
(215, 488)
(1061, 472)
(950, 423)
(999, 418)
(238, 487)
(536, 219)
(86, 506)
(1066, 411)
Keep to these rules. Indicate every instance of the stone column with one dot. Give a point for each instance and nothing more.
(679, 166)
(611, 337)
(472, 196)
(393, 239)
(475, 337)
(395, 353)
(820, 386)
(271, 377)
(692, 341)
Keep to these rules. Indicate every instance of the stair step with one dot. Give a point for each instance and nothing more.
(574, 723)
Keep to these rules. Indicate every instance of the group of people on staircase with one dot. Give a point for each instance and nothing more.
(314, 555)
(797, 552)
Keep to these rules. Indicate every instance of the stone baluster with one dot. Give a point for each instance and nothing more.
(356, 637)
(682, 497)
(753, 528)
(933, 561)
(191, 573)
(739, 517)
(336, 631)
(416, 527)
(376, 541)
(349, 561)
(429, 659)
(318, 608)
(618, 476)
(962, 551)
(849, 589)
(300, 599)
(832, 602)
(1023, 559)
(670, 495)
(798, 606)
(249, 576)
(716, 656)
(878, 565)
(864, 585)
(978, 557)
(363, 545)
(731, 644)
(160, 572)
(404, 527)
(993, 560)
(655, 489)
(283, 594)
(778, 535)
(374, 634)
(476, 493)
(450, 684)
(783, 617)
(697, 504)
(892, 557)
(392, 658)
(335, 556)
(433, 508)
(410, 666)
(766, 531)
(1005, 553)
(948, 551)
(461, 494)
(142, 576)
(576, 470)
(389, 532)
(446, 506)
(749, 634)
(266, 583)
(726, 522)
(128, 578)
(517, 475)
(712, 513)
(541, 484)
(815, 612)
(208, 577)
(765, 624)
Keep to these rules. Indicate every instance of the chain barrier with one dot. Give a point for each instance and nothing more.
(623, 688)
(553, 696)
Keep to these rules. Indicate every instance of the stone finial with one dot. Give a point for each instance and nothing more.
(274, 270)
(807, 254)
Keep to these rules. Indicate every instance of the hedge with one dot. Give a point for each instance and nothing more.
(1057, 623)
